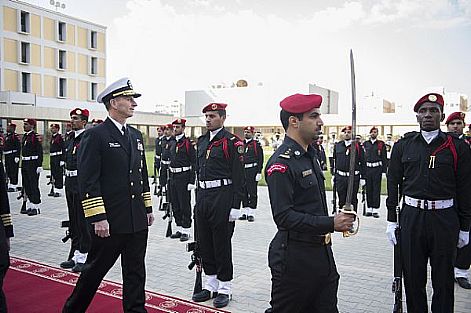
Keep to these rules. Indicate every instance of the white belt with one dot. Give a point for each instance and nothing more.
(27, 158)
(10, 151)
(165, 162)
(374, 164)
(71, 173)
(180, 169)
(342, 173)
(55, 153)
(249, 165)
(429, 204)
(207, 184)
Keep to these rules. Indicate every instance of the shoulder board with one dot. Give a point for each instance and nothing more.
(287, 154)
(410, 134)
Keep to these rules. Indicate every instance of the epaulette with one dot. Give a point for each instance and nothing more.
(287, 154)
(410, 134)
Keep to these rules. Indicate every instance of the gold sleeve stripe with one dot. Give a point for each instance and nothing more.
(93, 204)
(147, 198)
(5, 215)
(6, 219)
(7, 224)
(95, 211)
(86, 201)
(147, 203)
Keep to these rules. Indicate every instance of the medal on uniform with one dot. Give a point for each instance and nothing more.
(207, 153)
(176, 150)
(431, 163)
(347, 152)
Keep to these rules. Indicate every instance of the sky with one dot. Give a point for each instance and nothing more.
(402, 48)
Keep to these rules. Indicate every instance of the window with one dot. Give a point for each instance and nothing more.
(24, 22)
(62, 92)
(93, 65)
(61, 31)
(25, 51)
(62, 60)
(93, 40)
(25, 82)
(93, 91)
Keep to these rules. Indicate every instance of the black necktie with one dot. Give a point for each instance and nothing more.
(126, 136)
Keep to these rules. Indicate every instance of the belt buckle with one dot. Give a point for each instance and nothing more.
(327, 238)
(426, 205)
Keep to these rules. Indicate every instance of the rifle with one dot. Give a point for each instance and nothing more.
(25, 198)
(51, 182)
(363, 199)
(397, 282)
(196, 257)
(334, 191)
(66, 224)
(168, 207)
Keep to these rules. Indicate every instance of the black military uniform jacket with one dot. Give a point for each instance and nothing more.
(158, 147)
(184, 155)
(253, 153)
(13, 144)
(57, 146)
(342, 157)
(32, 148)
(71, 162)
(437, 171)
(297, 191)
(168, 145)
(375, 152)
(222, 158)
(112, 176)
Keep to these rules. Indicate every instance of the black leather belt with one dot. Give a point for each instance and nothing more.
(322, 240)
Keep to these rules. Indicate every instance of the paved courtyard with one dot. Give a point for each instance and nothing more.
(364, 261)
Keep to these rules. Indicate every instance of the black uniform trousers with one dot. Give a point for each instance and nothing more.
(163, 175)
(79, 229)
(429, 234)
(304, 277)
(30, 180)
(342, 185)
(103, 254)
(373, 186)
(463, 257)
(181, 198)
(250, 188)
(11, 168)
(215, 231)
(57, 172)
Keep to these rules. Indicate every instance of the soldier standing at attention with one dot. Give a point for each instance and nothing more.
(114, 188)
(220, 173)
(253, 164)
(433, 169)
(56, 153)
(168, 145)
(182, 172)
(376, 165)
(304, 274)
(12, 151)
(158, 153)
(455, 124)
(31, 165)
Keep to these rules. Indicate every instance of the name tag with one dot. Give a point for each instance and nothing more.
(307, 172)
(114, 145)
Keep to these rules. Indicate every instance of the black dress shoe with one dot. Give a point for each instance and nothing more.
(204, 295)
(11, 189)
(24, 210)
(375, 215)
(250, 218)
(57, 194)
(51, 194)
(184, 237)
(221, 300)
(369, 214)
(176, 235)
(67, 264)
(32, 212)
(269, 310)
(463, 282)
(19, 188)
(79, 267)
(243, 217)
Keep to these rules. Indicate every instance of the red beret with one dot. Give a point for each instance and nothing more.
(12, 125)
(455, 116)
(97, 121)
(299, 103)
(170, 126)
(56, 126)
(179, 121)
(348, 127)
(214, 107)
(432, 98)
(30, 121)
(249, 128)
(77, 111)
(373, 128)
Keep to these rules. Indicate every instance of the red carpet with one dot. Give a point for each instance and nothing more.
(32, 287)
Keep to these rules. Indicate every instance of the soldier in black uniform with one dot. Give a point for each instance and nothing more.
(220, 190)
(12, 151)
(168, 145)
(57, 157)
(114, 187)
(96, 121)
(31, 165)
(320, 152)
(253, 165)
(433, 169)
(6, 232)
(158, 154)
(69, 132)
(376, 165)
(340, 166)
(304, 274)
(182, 174)
(455, 124)
(79, 229)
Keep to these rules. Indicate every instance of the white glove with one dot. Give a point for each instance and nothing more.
(190, 187)
(234, 215)
(39, 170)
(17, 159)
(332, 181)
(258, 177)
(390, 233)
(362, 182)
(463, 239)
(61, 163)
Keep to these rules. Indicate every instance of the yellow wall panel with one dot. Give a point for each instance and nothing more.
(101, 67)
(11, 80)
(35, 55)
(11, 50)
(49, 29)
(82, 64)
(49, 57)
(71, 89)
(71, 34)
(35, 25)
(101, 45)
(9, 19)
(83, 90)
(36, 84)
(50, 89)
(82, 37)
(70, 61)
